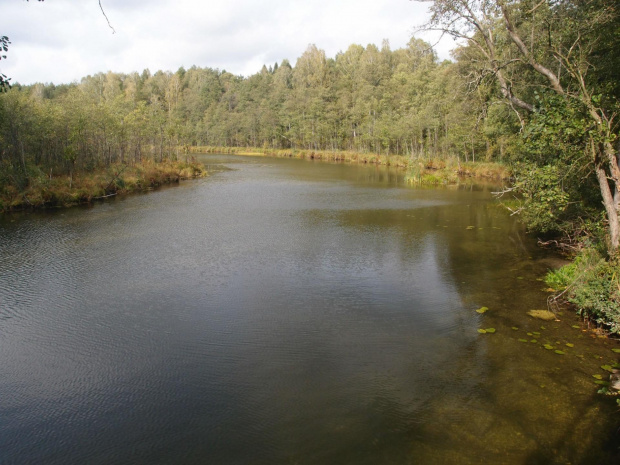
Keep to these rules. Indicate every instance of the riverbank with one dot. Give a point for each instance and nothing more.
(47, 191)
(427, 171)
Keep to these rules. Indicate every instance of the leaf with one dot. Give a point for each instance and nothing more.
(515, 328)
(559, 352)
(568, 344)
(481, 310)
(490, 330)
(522, 340)
(617, 351)
(607, 368)
(482, 331)
(548, 347)
(597, 376)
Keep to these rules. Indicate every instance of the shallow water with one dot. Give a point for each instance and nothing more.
(286, 311)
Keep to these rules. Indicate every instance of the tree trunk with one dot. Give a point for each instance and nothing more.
(606, 155)
(617, 189)
(610, 209)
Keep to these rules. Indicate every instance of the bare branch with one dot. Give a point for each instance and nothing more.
(504, 191)
(106, 18)
(550, 75)
(542, 2)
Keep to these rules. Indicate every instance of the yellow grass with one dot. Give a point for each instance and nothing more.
(420, 170)
(62, 191)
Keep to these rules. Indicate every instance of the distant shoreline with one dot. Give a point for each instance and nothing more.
(49, 191)
(446, 170)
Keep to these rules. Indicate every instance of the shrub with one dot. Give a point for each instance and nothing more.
(592, 284)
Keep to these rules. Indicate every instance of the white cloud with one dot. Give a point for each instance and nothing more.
(61, 41)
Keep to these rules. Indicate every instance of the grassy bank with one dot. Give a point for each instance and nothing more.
(46, 191)
(325, 155)
(419, 170)
(452, 171)
(592, 284)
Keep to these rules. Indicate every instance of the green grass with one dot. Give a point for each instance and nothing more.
(592, 284)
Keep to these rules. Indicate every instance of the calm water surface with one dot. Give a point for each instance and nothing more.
(284, 311)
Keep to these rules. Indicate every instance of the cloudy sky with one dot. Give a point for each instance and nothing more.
(61, 41)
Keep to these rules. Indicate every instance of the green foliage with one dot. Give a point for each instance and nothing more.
(553, 64)
(4, 80)
(559, 193)
(544, 199)
(556, 130)
(593, 285)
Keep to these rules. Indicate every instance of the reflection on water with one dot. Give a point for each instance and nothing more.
(283, 311)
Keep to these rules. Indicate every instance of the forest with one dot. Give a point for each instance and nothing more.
(532, 86)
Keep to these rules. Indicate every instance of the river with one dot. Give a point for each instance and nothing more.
(284, 311)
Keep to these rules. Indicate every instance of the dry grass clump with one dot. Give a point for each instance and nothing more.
(487, 170)
(451, 171)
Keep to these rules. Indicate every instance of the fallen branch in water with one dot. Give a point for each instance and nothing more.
(105, 196)
(502, 192)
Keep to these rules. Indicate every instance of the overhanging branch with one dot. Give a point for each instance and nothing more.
(106, 18)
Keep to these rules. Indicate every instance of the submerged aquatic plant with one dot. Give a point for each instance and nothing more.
(542, 315)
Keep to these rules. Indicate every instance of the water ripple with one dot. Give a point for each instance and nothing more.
(265, 315)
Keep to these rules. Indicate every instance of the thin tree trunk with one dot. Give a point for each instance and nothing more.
(610, 209)
(609, 198)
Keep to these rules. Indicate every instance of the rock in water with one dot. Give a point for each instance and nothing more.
(542, 315)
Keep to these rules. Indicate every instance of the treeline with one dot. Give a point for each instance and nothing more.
(366, 99)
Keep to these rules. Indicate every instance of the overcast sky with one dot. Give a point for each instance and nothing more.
(61, 41)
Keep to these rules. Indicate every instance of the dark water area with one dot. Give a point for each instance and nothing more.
(290, 312)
